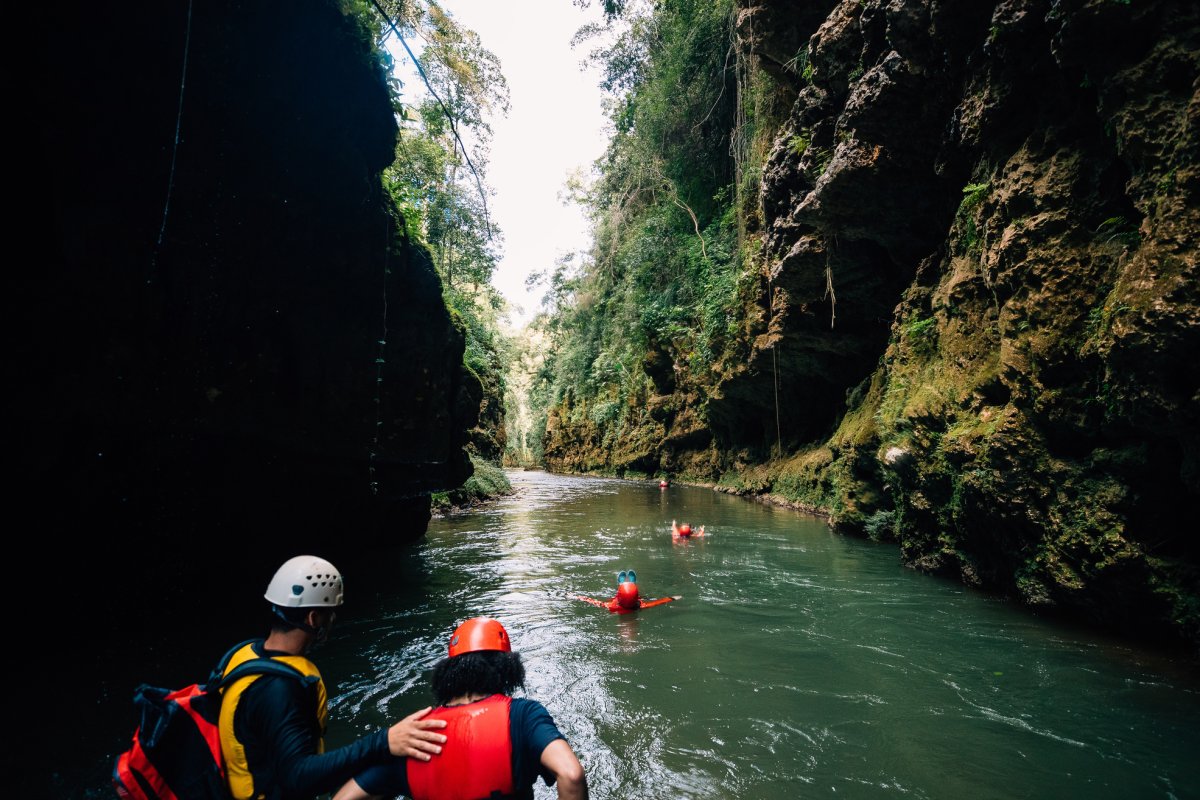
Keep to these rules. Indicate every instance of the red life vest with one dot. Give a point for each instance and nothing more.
(476, 761)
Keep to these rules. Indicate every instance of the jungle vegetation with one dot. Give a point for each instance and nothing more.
(438, 181)
(667, 269)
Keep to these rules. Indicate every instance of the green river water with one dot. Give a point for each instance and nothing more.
(798, 663)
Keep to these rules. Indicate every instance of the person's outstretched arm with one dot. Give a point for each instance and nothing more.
(559, 758)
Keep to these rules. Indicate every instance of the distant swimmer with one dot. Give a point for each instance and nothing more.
(663, 484)
(627, 599)
(685, 531)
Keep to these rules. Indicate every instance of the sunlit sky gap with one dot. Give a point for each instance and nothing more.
(555, 125)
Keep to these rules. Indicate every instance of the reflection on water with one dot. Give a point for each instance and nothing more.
(797, 663)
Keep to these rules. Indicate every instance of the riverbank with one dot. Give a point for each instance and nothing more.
(486, 484)
(754, 483)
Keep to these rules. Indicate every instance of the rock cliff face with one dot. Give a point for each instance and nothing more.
(977, 327)
(227, 344)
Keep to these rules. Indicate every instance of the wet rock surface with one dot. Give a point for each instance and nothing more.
(977, 320)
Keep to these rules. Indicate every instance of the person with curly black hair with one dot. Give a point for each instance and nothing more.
(497, 745)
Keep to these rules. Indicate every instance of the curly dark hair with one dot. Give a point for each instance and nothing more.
(483, 672)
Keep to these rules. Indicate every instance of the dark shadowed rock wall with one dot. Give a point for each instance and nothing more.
(277, 375)
(281, 365)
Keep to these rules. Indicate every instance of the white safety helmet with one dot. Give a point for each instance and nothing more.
(306, 582)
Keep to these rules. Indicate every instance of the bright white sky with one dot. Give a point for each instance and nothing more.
(554, 126)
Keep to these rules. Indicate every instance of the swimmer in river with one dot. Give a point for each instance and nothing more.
(685, 531)
(627, 598)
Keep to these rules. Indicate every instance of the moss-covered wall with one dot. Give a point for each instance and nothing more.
(975, 327)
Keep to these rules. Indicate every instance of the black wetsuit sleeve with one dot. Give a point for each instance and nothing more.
(385, 780)
(277, 715)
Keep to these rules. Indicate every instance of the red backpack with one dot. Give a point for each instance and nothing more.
(176, 751)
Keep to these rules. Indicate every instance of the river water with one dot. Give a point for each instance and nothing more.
(797, 663)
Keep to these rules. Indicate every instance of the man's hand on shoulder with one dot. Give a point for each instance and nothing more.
(414, 737)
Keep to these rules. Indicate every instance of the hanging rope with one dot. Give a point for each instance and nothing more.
(778, 437)
(187, 42)
(445, 110)
(829, 293)
(774, 363)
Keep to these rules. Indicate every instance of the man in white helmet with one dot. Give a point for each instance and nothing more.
(272, 726)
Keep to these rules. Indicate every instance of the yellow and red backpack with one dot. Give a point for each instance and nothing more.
(176, 750)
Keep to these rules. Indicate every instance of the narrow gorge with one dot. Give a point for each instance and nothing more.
(961, 247)
(925, 271)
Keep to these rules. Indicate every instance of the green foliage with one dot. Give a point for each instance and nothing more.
(438, 186)
(1107, 399)
(922, 335)
(799, 142)
(487, 482)
(1167, 183)
(798, 64)
(973, 194)
(1118, 229)
(438, 189)
(440, 200)
(1099, 321)
(662, 275)
(604, 413)
(822, 156)
(921, 328)
(367, 25)
(881, 526)
(486, 348)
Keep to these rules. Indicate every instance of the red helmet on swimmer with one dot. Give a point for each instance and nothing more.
(627, 590)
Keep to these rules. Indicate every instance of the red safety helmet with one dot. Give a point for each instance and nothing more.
(627, 595)
(479, 633)
(685, 530)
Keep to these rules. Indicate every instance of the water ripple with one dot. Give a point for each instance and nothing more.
(798, 663)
